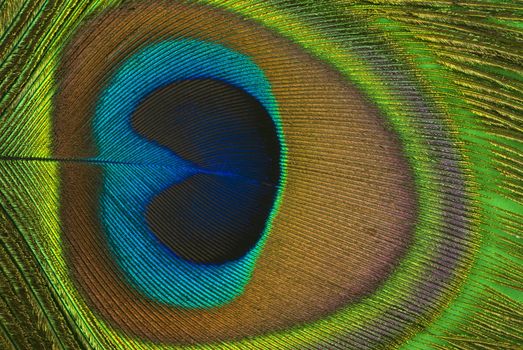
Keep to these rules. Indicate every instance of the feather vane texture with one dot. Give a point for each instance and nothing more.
(261, 175)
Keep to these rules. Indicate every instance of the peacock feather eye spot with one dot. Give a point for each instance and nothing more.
(260, 174)
(219, 213)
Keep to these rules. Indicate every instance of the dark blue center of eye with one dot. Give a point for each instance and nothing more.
(220, 213)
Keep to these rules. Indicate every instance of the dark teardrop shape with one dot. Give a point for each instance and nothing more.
(220, 213)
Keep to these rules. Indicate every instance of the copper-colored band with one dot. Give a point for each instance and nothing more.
(346, 215)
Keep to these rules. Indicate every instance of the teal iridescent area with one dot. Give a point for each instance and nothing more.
(151, 168)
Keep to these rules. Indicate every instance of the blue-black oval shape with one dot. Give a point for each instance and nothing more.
(219, 213)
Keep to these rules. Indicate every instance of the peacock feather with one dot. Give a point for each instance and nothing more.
(237, 174)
